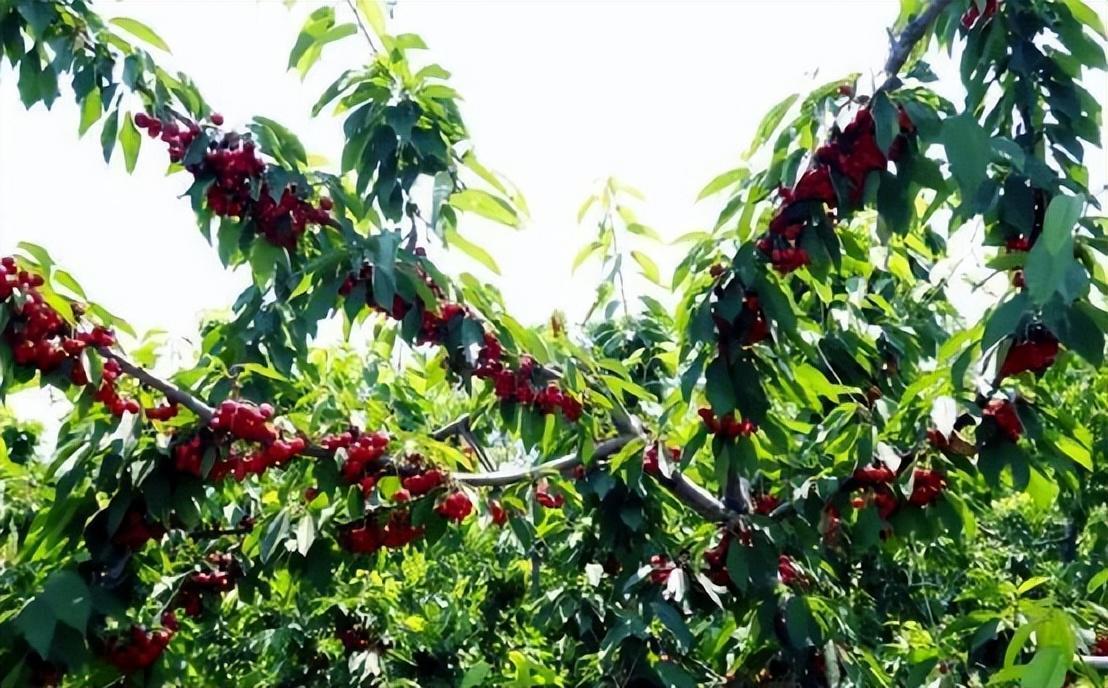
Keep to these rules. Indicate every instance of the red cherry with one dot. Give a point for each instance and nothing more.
(217, 119)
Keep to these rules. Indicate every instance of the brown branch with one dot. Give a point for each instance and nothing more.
(171, 392)
(688, 492)
(903, 44)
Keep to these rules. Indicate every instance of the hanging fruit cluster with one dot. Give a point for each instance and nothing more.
(1033, 352)
(727, 426)
(238, 184)
(517, 384)
(843, 162)
(254, 444)
(370, 534)
(41, 338)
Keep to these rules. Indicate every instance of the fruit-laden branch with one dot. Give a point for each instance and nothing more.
(903, 44)
(172, 393)
(687, 492)
(692, 495)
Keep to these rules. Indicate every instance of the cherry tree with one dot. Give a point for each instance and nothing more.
(813, 471)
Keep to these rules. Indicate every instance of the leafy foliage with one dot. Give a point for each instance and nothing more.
(811, 472)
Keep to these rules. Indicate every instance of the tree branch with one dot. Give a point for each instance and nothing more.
(362, 26)
(688, 492)
(903, 44)
(171, 392)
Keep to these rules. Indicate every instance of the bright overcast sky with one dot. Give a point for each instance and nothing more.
(558, 95)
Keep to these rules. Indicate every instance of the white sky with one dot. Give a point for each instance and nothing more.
(558, 95)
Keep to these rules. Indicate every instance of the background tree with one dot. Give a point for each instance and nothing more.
(811, 472)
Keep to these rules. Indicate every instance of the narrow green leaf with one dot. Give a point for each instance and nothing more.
(141, 31)
(471, 249)
(486, 205)
(131, 141)
(108, 134)
(374, 14)
(723, 181)
(649, 267)
(91, 109)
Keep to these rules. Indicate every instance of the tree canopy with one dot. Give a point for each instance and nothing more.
(813, 471)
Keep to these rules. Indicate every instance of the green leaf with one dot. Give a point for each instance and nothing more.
(374, 15)
(642, 230)
(1097, 581)
(723, 181)
(131, 141)
(453, 238)
(1051, 257)
(486, 205)
(108, 134)
(66, 280)
(967, 150)
(1087, 16)
(140, 31)
(263, 261)
(721, 394)
(275, 534)
(674, 676)
(1004, 319)
(264, 371)
(91, 109)
(769, 124)
(649, 267)
(470, 160)
(305, 534)
(585, 253)
(476, 675)
(36, 623)
(68, 597)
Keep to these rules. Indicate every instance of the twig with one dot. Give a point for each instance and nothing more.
(903, 44)
(362, 26)
(171, 392)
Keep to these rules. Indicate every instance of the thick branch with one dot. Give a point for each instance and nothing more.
(688, 492)
(604, 450)
(903, 44)
(696, 497)
(171, 392)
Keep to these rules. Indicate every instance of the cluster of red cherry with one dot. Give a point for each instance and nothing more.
(497, 512)
(514, 385)
(162, 412)
(727, 426)
(874, 482)
(238, 187)
(363, 451)
(455, 507)
(518, 385)
(41, 338)
(650, 458)
(748, 327)
(139, 650)
(220, 576)
(1003, 413)
(544, 497)
(850, 155)
(660, 569)
(368, 535)
(1035, 352)
(417, 484)
(136, 529)
(974, 16)
(108, 393)
(354, 638)
(238, 421)
(764, 503)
